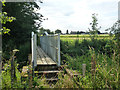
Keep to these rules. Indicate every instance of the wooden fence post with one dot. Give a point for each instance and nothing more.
(83, 69)
(30, 70)
(93, 65)
(13, 74)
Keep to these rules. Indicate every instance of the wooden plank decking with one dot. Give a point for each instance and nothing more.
(43, 59)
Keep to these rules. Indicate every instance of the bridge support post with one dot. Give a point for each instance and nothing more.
(58, 49)
(34, 49)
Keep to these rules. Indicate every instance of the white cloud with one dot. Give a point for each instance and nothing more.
(76, 14)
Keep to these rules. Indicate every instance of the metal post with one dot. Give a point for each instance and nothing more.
(35, 50)
(58, 49)
(32, 41)
(119, 10)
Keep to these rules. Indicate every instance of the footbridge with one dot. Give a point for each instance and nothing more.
(45, 55)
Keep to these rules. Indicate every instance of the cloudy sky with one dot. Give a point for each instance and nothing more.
(75, 15)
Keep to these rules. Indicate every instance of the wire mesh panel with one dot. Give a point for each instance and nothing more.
(51, 46)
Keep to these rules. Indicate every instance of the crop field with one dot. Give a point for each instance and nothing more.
(73, 37)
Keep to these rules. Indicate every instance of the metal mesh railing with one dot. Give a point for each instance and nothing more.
(51, 46)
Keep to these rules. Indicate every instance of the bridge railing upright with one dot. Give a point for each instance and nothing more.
(34, 49)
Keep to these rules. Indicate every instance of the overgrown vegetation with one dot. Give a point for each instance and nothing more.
(101, 56)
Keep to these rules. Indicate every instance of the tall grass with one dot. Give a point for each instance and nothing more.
(106, 72)
(102, 52)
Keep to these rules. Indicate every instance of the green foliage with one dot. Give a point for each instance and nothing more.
(6, 79)
(94, 27)
(58, 31)
(21, 28)
(22, 55)
(42, 30)
(6, 76)
(65, 82)
(81, 47)
(25, 21)
(67, 32)
(106, 74)
(19, 82)
(77, 52)
(40, 82)
(4, 19)
(115, 30)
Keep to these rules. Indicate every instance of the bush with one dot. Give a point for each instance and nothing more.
(106, 73)
(6, 76)
(22, 55)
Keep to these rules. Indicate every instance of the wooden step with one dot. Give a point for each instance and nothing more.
(52, 71)
(48, 74)
(46, 67)
(52, 79)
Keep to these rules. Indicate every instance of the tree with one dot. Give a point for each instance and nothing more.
(20, 35)
(58, 31)
(94, 26)
(67, 32)
(78, 32)
(4, 19)
(48, 31)
(81, 32)
(25, 21)
(42, 30)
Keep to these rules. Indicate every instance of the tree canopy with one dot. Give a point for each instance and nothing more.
(58, 31)
(20, 35)
(25, 22)
(94, 25)
(67, 32)
(4, 19)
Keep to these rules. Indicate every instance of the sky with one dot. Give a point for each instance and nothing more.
(76, 15)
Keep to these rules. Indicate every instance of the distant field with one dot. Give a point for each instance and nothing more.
(86, 36)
